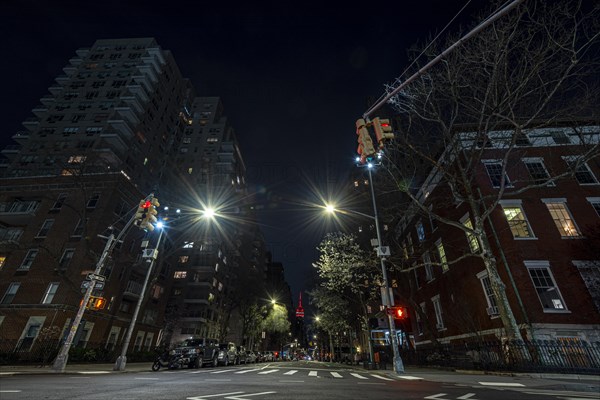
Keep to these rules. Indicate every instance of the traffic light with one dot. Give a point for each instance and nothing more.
(140, 213)
(383, 130)
(150, 216)
(365, 143)
(398, 312)
(96, 303)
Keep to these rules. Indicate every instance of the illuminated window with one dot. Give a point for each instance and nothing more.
(2, 261)
(183, 259)
(420, 231)
(180, 274)
(545, 286)
(473, 243)
(562, 217)
(188, 245)
(515, 216)
(442, 256)
(76, 159)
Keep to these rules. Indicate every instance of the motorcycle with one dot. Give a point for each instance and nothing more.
(161, 361)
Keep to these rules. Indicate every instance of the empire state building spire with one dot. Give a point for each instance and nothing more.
(300, 309)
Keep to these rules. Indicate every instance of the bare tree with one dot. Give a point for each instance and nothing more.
(533, 72)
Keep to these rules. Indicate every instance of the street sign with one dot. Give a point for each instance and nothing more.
(383, 251)
(95, 277)
(98, 285)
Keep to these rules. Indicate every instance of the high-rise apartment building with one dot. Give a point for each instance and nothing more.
(120, 123)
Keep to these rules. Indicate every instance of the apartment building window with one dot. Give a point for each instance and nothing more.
(537, 171)
(419, 319)
(442, 256)
(494, 171)
(560, 137)
(28, 260)
(66, 258)
(471, 239)
(420, 231)
(78, 159)
(183, 259)
(45, 228)
(93, 201)
(595, 202)
(60, 200)
(562, 217)
(583, 173)
(428, 269)
(492, 306)
(180, 274)
(50, 292)
(515, 216)
(545, 286)
(416, 272)
(79, 227)
(590, 274)
(522, 139)
(30, 333)
(409, 245)
(10, 293)
(437, 306)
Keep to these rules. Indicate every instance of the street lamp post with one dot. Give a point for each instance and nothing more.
(121, 361)
(385, 293)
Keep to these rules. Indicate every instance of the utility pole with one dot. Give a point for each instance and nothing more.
(122, 359)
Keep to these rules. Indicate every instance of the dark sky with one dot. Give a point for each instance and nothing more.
(293, 77)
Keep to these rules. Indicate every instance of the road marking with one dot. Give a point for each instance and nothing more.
(148, 379)
(10, 391)
(501, 384)
(269, 371)
(312, 373)
(358, 376)
(213, 395)
(217, 380)
(221, 371)
(436, 396)
(381, 377)
(246, 371)
(466, 396)
(292, 372)
(243, 396)
(409, 378)
(371, 383)
(291, 381)
(336, 375)
(93, 372)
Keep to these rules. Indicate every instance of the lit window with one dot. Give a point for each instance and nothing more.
(537, 171)
(183, 259)
(517, 221)
(2, 261)
(492, 306)
(562, 217)
(544, 284)
(180, 274)
(442, 256)
(50, 292)
(473, 243)
(76, 159)
(420, 231)
(188, 245)
(494, 171)
(583, 173)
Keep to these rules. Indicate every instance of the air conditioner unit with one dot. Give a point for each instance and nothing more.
(150, 253)
(492, 310)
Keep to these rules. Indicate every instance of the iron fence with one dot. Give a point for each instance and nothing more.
(560, 356)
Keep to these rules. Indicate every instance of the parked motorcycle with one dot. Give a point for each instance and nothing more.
(162, 361)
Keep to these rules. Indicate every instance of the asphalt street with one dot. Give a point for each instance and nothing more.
(284, 380)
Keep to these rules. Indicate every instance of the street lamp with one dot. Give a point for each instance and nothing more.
(385, 294)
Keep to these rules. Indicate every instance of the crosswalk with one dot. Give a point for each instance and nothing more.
(307, 373)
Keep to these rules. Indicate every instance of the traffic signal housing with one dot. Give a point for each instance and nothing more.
(398, 312)
(365, 143)
(96, 303)
(383, 130)
(150, 217)
(140, 213)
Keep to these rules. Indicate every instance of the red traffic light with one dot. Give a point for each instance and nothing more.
(398, 312)
(147, 204)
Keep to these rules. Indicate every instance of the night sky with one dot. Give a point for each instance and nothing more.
(293, 78)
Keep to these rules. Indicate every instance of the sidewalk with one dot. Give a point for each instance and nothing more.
(74, 369)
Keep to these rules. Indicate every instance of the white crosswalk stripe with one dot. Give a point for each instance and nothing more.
(336, 375)
(381, 377)
(409, 378)
(270, 371)
(312, 373)
(245, 371)
(221, 371)
(292, 372)
(358, 376)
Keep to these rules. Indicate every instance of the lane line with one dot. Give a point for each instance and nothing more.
(501, 384)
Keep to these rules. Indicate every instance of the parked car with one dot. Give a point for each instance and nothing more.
(251, 357)
(227, 354)
(268, 356)
(241, 354)
(196, 353)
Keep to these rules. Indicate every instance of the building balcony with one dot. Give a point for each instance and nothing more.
(82, 52)
(144, 81)
(55, 89)
(17, 213)
(129, 114)
(157, 52)
(149, 71)
(110, 156)
(196, 301)
(62, 79)
(132, 101)
(31, 123)
(114, 141)
(40, 110)
(122, 127)
(139, 91)
(21, 137)
(70, 69)
(48, 100)
(11, 149)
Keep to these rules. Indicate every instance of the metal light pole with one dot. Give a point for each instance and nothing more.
(63, 356)
(122, 359)
(385, 297)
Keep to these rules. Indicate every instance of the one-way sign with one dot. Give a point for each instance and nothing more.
(98, 285)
